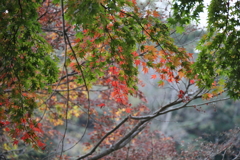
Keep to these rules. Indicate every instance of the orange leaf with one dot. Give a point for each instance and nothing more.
(181, 74)
(210, 95)
(161, 53)
(207, 96)
(145, 70)
(150, 48)
(155, 14)
(144, 64)
(190, 55)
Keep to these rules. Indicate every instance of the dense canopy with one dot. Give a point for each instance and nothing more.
(72, 58)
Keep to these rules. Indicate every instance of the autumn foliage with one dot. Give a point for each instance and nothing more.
(82, 59)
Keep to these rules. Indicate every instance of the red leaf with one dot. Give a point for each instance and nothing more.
(180, 96)
(114, 83)
(72, 64)
(128, 110)
(170, 80)
(7, 122)
(37, 130)
(118, 100)
(40, 144)
(162, 60)
(15, 142)
(114, 70)
(192, 81)
(101, 105)
(77, 40)
(134, 54)
(181, 92)
(25, 137)
(137, 62)
(153, 76)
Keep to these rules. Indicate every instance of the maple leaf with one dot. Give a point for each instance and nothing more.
(214, 83)
(192, 81)
(160, 83)
(207, 96)
(170, 79)
(150, 48)
(164, 70)
(121, 14)
(101, 105)
(120, 100)
(180, 96)
(181, 92)
(114, 83)
(155, 13)
(161, 53)
(128, 110)
(162, 60)
(135, 54)
(145, 70)
(113, 70)
(144, 64)
(162, 76)
(154, 76)
(181, 74)
(190, 55)
(72, 64)
(15, 142)
(77, 40)
(40, 144)
(177, 79)
(37, 129)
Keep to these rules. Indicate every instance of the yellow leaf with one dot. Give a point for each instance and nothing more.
(181, 74)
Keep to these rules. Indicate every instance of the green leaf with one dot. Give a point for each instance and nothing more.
(180, 29)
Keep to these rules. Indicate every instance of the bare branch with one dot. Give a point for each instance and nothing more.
(209, 102)
(103, 138)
